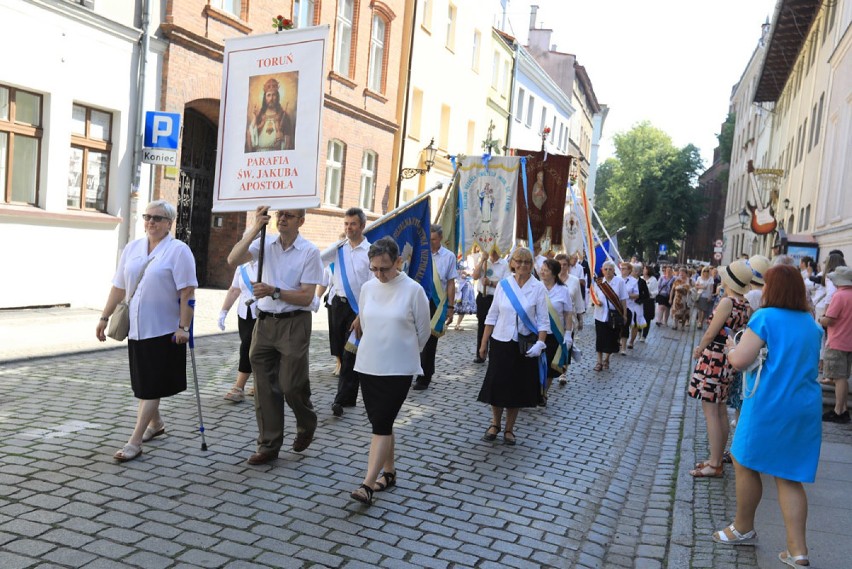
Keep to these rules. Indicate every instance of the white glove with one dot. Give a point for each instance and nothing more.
(222, 316)
(577, 354)
(569, 341)
(536, 350)
(315, 304)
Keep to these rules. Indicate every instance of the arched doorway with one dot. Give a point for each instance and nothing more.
(195, 191)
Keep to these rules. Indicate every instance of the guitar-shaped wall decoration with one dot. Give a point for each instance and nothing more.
(763, 219)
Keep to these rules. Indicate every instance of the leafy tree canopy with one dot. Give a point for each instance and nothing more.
(726, 138)
(650, 187)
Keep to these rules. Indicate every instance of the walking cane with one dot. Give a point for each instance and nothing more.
(195, 376)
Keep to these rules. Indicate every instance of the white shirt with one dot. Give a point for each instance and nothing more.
(631, 286)
(496, 272)
(288, 270)
(753, 297)
(155, 306)
(560, 298)
(246, 292)
(654, 286)
(578, 271)
(445, 262)
(539, 261)
(602, 312)
(574, 290)
(707, 287)
(396, 326)
(357, 268)
(505, 320)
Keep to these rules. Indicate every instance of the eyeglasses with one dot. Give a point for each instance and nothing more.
(287, 216)
(382, 270)
(154, 218)
(522, 261)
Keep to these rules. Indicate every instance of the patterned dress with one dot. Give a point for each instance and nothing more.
(680, 310)
(712, 376)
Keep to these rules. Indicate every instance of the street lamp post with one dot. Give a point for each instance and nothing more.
(744, 217)
(408, 173)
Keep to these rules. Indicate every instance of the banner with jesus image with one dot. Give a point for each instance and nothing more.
(269, 121)
(547, 181)
(487, 193)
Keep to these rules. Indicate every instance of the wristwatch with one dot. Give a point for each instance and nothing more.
(276, 294)
(185, 329)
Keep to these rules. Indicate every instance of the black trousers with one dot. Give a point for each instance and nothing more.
(649, 307)
(348, 381)
(427, 356)
(483, 305)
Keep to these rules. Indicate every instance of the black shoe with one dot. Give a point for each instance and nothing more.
(832, 417)
(337, 410)
(420, 385)
(478, 360)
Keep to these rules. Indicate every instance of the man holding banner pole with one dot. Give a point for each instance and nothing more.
(441, 306)
(488, 276)
(353, 270)
(282, 334)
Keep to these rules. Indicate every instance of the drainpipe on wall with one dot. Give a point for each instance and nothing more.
(404, 133)
(133, 199)
(512, 93)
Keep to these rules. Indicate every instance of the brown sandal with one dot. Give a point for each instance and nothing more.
(598, 367)
(716, 471)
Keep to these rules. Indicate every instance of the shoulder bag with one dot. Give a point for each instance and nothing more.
(119, 322)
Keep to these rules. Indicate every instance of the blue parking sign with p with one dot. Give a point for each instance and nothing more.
(162, 130)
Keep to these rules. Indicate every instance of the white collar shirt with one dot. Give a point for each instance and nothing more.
(287, 269)
(357, 268)
(246, 292)
(602, 312)
(445, 262)
(631, 286)
(574, 291)
(496, 272)
(560, 298)
(578, 271)
(155, 306)
(505, 319)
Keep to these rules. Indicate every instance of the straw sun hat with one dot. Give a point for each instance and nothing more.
(736, 276)
(759, 265)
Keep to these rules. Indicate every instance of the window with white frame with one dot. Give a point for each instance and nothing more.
(477, 39)
(543, 119)
(229, 6)
(451, 27)
(416, 112)
(376, 74)
(303, 13)
(343, 37)
(20, 145)
(495, 71)
(88, 171)
(530, 110)
(334, 172)
(368, 180)
(519, 105)
(427, 15)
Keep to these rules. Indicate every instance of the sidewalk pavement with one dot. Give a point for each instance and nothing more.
(599, 478)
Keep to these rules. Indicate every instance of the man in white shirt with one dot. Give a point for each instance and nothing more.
(489, 271)
(445, 263)
(344, 310)
(282, 335)
(539, 259)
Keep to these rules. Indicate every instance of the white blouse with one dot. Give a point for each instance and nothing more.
(574, 290)
(560, 298)
(505, 320)
(246, 292)
(396, 325)
(653, 286)
(155, 306)
(602, 312)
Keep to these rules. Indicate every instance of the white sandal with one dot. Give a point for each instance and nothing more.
(127, 453)
(235, 394)
(151, 432)
(748, 538)
(793, 560)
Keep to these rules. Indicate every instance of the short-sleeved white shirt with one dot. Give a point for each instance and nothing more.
(155, 306)
(288, 270)
(445, 262)
(578, 271)
(560, 298)
(246, 292)
(602, 312)
(496, 272)
(574, 290)
(357, 268)
(505, 319)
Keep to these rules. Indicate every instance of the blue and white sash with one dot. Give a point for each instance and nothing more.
(353, 340)
(511, 288)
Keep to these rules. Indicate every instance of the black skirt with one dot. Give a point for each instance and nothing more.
(606, 338)
(511, 380)
(157, 367)
(383, 398)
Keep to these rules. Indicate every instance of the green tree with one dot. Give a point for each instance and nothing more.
(652, 191)
(726, 138)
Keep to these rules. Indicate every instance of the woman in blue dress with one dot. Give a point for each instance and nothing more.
(779, 432)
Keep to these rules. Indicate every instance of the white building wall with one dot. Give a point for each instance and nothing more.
(67, 256)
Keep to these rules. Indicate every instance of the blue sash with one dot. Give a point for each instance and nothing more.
(245, 276)
(350, 296)
(525, 318)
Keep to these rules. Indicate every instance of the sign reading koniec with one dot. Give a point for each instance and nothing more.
(270, 121)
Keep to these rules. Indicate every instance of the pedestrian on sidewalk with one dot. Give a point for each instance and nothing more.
(518, 316)
(837, 364)
(282, 333)
(678, 299)
(636, 306)
(610, 297)
(779, 431)
(712, 376)
(664, 295)
(631, 286)
(490, 270)
(160, 319)
(352, 270)
(578, 302)
(648, 307)
(395, 325)
(241, 288)
(561, 314)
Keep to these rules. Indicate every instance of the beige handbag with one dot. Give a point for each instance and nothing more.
(119, 322)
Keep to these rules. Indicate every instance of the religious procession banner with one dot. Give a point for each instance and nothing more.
(488, 190)
(270, 121)
(547, 180)
(574, 225)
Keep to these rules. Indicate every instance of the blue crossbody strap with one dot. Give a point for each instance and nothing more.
(347, 288)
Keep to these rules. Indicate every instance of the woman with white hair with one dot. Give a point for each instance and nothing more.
(610, 300)
(156, 277)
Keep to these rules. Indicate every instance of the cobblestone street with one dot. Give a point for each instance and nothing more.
(593, 482)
